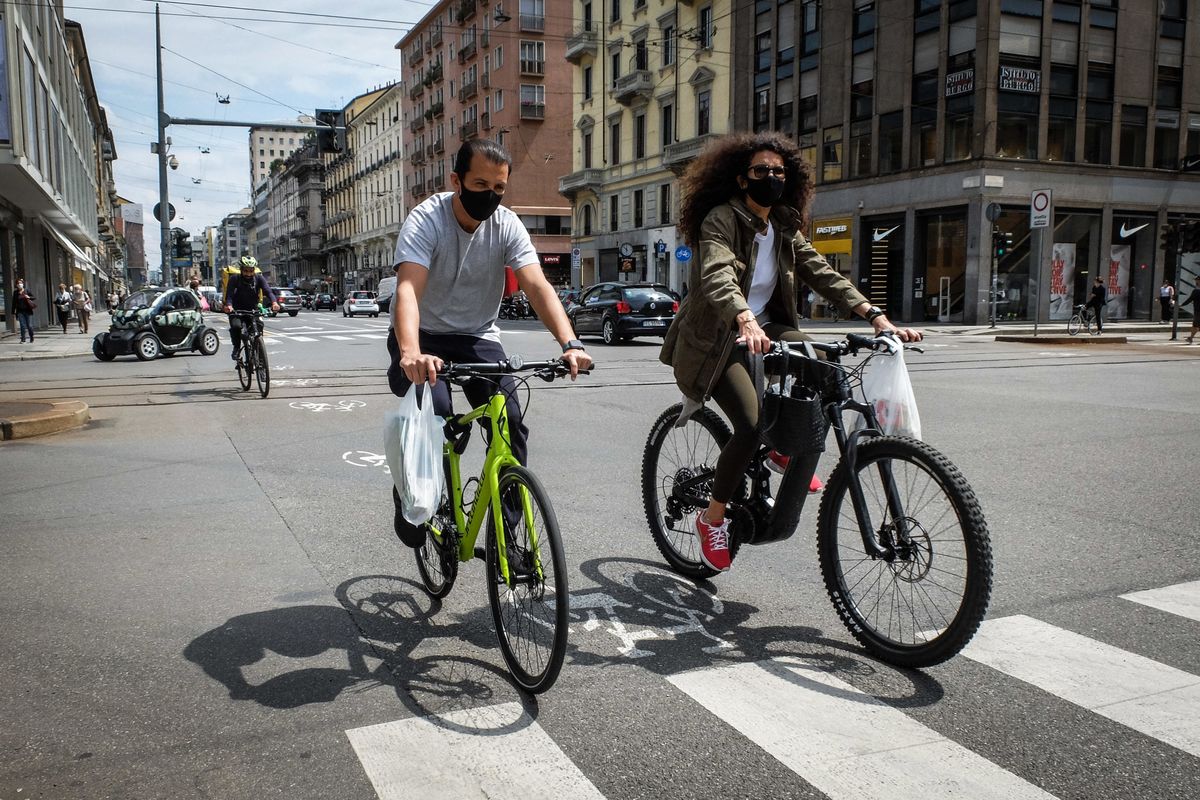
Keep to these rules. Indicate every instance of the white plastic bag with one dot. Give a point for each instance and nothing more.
(886, 386)
(412, 442)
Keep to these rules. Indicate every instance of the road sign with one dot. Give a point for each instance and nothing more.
(170, 212)
(683, 254)
(1039, 208)
(576, 257)
(993, 212)
(660, 247)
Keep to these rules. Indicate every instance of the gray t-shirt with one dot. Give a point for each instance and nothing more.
(466, 271)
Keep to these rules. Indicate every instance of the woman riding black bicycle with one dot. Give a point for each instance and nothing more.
(744, 201)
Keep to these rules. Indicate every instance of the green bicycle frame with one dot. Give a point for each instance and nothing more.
(499, 456)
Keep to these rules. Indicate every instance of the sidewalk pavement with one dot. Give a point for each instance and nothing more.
(52, 342)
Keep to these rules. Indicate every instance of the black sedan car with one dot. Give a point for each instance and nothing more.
(156, 322)
(619, 311)
(324, 301)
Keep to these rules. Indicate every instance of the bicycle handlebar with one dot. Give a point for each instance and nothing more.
(546, 370)
(848, 346)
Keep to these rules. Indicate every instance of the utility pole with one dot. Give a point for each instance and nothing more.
(164, 206)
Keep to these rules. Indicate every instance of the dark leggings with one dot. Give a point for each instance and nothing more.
(735, 396)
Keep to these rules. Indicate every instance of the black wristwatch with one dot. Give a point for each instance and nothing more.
(573, 344)
(873, 312)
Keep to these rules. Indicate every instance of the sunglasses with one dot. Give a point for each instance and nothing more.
(760, 171)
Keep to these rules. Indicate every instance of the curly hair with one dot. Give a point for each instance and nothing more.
(711, 179)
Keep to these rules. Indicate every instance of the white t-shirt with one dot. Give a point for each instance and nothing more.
(766, 273)
(466, 270)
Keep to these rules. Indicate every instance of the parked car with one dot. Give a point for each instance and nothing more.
(620, 311)
(289, 300)
(154, 322)
(324, 301)
(360, 303)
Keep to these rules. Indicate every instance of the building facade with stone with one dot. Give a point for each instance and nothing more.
(376, 140)
(270, 145)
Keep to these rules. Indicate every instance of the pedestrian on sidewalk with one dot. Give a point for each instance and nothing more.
(62, 304)
(82, 301)
(24, 306)
(1097, 301)
(1166, 298)
(1194, 299)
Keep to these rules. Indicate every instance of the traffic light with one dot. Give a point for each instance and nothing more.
(181, 244)
(1003, 241)
(1169, 237)
(329, 139)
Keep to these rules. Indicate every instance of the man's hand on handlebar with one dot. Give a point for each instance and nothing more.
(275, 307)
(882, 325)
(420, 368)
(228, 309)
(577, 360)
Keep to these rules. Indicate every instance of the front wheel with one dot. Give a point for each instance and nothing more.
(262, 373)
(99, 350)
(210, 343)
(608, 332)
(245, 367)
(1074, 324)
(147, 347)
(921, 602)
(293, 313)
(530, 608)
(674, 455)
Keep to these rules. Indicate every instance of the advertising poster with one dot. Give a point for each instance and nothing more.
(1118, 282)
(1062, 275)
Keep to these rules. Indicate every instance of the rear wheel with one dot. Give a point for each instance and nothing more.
(1074, 324)
(923, 601)
(210, 343)
(262, 373)
(530, 609)
(98, 349)
(437, 558)
(673, 455)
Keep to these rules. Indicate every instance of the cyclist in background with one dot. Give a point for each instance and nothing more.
(245, 292)
(745, 201)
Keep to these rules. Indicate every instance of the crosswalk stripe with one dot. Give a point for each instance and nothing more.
(491, 751)
(303, 339)
(335, 337)
(846, 743)
(372, 336)
(1182, 599)
(1140, 693)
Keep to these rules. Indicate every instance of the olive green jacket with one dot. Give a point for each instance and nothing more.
(701, 337)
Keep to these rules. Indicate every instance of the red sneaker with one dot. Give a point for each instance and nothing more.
(815, 485)
(714, 543)
(778, 463)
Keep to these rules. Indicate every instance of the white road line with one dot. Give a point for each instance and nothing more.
(1182, 599)
(338, 338)
(487, 752)
(846, 743)
(372, 336)
(1152, 698)
(303, 339)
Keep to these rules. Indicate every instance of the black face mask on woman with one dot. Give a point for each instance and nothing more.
(765, 191)
(479, 205)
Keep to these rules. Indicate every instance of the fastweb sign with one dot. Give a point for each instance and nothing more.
(832, 235)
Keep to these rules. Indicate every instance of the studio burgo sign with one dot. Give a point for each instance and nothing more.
(1020, 79)
(961, 82)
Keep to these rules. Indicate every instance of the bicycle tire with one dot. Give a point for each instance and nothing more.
(675, 536)
(245, 369)
(262, 370)
(436, 562)
(534, 656)
(1074, 324)
(934, 494)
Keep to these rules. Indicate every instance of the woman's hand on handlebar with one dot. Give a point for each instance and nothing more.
(577, 361)
(751, 334)
(419, 367)
(882, 324)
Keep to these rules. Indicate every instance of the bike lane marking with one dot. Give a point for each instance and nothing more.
(495, 751)
(846, 743)
(1182, 599)
(1152, 698)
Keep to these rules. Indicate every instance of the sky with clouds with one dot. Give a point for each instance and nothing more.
(272, 65)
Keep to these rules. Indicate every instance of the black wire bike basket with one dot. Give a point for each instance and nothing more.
(791, 419)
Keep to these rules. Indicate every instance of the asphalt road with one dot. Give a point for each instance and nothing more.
(202, 597)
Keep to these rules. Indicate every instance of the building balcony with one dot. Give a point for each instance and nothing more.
(485, 120)
(466, 10)
(434, 74)
(584, 180)
(417, 123)
(467, 52)
(439, 182)
(533, 110)
(484, 38)
(679, 155)
(468, 130)
(435, 38)
(468, 91)
(418, 157)
(534, 23)
(416, 90)
(581, 43)
(439, 146)
(485, 81)
(632, 86)
(416, 54)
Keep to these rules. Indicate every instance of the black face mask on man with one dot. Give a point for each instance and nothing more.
(479, 205)
(765, 191)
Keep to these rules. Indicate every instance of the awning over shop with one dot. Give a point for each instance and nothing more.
(82, 261)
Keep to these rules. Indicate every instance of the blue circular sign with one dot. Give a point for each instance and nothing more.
(683, 253)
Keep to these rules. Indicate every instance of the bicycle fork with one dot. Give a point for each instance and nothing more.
(877, 544)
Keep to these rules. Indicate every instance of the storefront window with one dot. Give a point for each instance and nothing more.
(1076, 243)
(1017, 127)
(1130, 278)
(939, 275)
(1010, 279)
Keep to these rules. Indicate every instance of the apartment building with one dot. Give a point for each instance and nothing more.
(231, 237)
(376, 134)
(920, 128)
(485, 68)
(270, 145)
(54, 148)
(295, 217)
(341, 202)
(652, 85)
